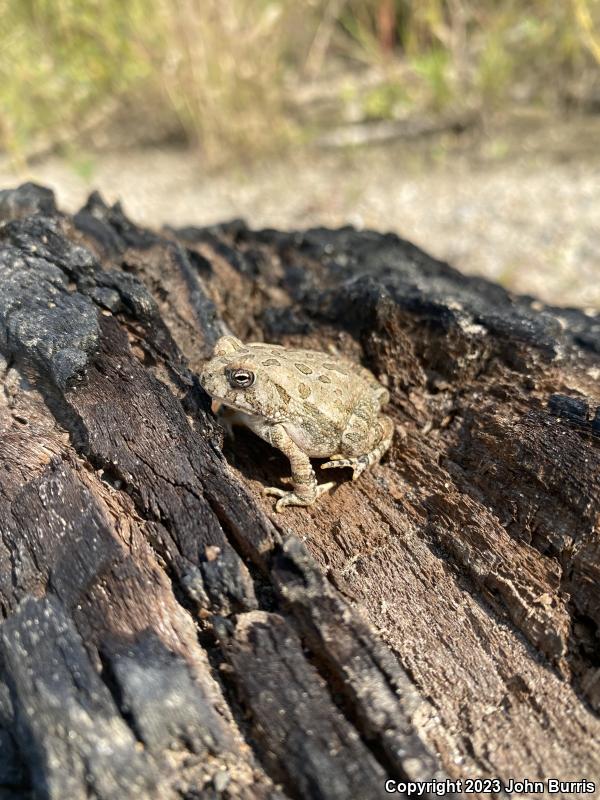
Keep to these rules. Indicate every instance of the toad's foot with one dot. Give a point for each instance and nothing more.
(358, 465)
(293, 499)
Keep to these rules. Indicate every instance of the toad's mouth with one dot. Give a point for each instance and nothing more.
(217, 403)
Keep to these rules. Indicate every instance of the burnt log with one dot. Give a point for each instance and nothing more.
(164, 633)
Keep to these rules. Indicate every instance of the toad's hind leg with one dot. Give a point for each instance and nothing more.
(382, 439)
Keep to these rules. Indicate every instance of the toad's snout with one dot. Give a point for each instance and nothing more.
(208, 380)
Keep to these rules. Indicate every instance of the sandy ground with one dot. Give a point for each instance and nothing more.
(522, 208)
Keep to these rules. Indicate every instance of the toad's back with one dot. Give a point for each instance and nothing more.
(310, 378)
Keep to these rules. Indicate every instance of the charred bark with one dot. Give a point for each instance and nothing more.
(165, 634)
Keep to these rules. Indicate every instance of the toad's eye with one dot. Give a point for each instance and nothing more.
(240, 378)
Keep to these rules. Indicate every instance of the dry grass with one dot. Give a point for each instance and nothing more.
(226, 73)
(221, 68)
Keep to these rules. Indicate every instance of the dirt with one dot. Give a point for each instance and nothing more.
(516, 203)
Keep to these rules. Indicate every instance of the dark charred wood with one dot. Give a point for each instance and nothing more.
(165, 634)
(377, 691)
(55, 690)
(302, 736)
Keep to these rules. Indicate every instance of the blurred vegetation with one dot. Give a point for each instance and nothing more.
(244, 76)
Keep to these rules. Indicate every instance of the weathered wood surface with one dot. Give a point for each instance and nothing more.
(165, 634)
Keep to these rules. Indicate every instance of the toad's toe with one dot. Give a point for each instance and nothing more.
(287, 498)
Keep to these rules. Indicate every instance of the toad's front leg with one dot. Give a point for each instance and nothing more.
(306, 490)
